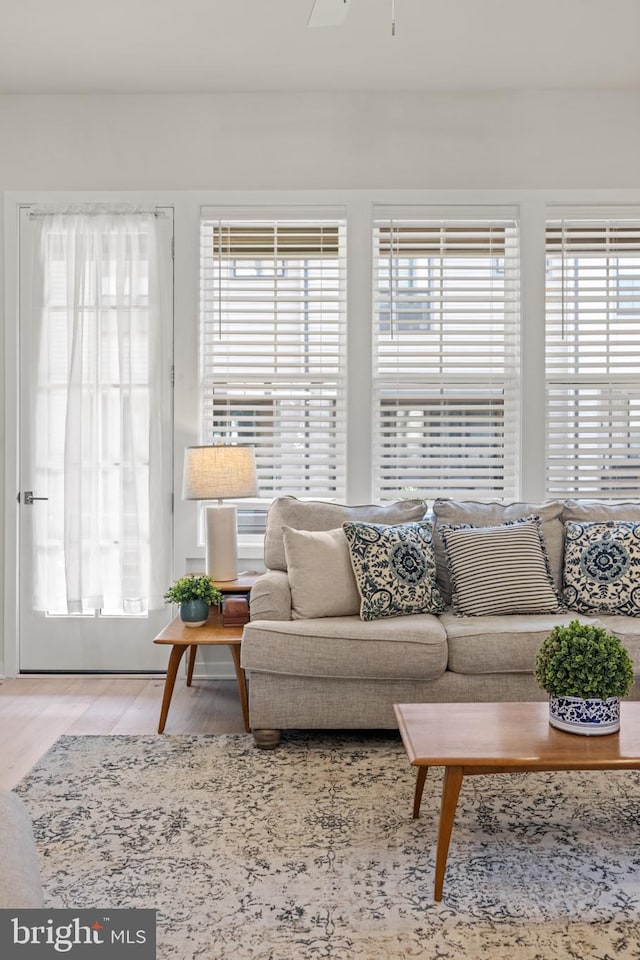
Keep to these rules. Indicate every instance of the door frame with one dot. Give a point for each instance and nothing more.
(14, 204)
(12, 215)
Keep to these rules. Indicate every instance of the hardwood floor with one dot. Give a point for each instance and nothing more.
(35, 711)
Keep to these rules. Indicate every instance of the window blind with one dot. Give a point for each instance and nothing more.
(593, 357)
(445, 357)
(272, 349)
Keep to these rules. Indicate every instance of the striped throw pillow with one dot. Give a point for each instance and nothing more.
(500, 570)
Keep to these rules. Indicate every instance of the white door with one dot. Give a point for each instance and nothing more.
(95, 502)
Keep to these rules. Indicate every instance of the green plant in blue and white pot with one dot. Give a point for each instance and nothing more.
(195, 594)
(585, 670)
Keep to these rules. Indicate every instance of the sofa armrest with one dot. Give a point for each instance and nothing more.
(19, 867)
(271, 597)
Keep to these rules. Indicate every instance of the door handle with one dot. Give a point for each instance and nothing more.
(29, 497)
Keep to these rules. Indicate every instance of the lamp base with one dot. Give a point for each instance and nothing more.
(222, 542)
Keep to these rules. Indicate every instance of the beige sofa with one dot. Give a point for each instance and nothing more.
(307, 670)
(20, 885)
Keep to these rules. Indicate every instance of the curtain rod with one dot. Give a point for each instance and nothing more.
(97, 213)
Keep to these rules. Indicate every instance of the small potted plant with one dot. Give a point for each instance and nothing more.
(195, 594)
(585, 670)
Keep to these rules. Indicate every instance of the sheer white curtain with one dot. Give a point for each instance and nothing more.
(101, 403)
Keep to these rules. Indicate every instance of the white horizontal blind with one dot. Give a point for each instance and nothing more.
(272, 349)
(593, 357)
(445, 357)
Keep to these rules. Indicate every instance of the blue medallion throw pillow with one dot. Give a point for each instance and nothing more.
(602, 567)
(394, 567)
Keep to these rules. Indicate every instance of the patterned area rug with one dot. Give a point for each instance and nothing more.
(310, 851)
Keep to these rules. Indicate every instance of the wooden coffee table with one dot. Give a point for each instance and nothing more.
(481, 738)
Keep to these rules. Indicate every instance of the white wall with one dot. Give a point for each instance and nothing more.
(553, 140)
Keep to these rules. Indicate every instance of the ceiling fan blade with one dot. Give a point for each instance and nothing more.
(328, 13)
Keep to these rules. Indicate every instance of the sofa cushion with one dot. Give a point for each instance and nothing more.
(499, 644)
(501, 570)
(402, 648)
(491, 514)
(320, 574)
(319, 515)
(394, 567)
(627, 630)
(602, 567)
(588, 511)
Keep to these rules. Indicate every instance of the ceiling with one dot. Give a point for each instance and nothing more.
(220, 46)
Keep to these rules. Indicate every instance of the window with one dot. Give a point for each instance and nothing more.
(593, 357)
(412, 306)
(445, 357)
(272, 350)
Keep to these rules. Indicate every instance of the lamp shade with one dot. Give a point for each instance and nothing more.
(219, 472)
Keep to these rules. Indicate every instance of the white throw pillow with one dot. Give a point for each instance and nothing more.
(320, 574)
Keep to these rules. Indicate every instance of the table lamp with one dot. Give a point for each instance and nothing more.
(220, 472)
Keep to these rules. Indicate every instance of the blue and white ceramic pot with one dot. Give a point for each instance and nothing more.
(587, 717)
(194, 613)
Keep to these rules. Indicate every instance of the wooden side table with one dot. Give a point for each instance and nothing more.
(211, 633)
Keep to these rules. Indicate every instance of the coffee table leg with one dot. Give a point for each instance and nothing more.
(417, 797)
(242, 683)
(450, 793)
(175, 657)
